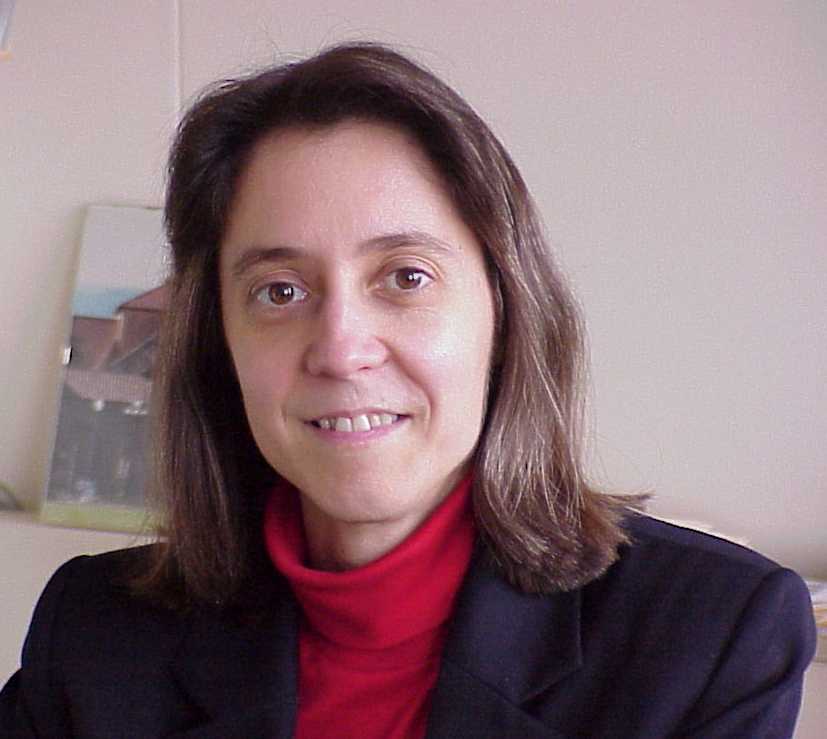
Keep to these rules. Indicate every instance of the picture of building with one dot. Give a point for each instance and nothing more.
(100, 451)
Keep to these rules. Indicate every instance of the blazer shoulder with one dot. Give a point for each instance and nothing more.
(88, 582)
(87, 628)
(711, 635)
(737, 618)
(88, 618)
(658, 540)
(702, 590)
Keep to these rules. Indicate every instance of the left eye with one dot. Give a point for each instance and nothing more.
(407, 279)
(280, 294)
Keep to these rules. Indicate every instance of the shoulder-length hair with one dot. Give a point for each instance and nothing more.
(541, 522)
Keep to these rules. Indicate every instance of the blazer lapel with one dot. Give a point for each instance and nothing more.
(242, 677)
(504, 648)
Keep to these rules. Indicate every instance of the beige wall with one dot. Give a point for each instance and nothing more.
(677, 151)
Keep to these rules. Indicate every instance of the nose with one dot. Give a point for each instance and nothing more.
(344, 338)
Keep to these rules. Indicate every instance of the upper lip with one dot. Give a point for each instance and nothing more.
(353, 413)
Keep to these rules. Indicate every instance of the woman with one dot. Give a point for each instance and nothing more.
(377, 522)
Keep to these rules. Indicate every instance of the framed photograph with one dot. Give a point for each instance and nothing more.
(98, 472)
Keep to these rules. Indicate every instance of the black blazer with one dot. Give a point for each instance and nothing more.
(685, 636)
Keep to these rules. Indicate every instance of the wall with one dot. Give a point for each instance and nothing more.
(677, 151)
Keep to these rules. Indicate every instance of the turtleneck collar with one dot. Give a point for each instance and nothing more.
(405, 596)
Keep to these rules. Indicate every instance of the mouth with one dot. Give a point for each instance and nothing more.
(357, 423)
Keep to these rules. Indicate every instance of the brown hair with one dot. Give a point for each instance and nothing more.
(540, 521)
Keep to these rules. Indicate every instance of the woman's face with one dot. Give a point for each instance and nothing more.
(359, 319)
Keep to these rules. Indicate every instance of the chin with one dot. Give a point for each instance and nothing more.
(355, 503)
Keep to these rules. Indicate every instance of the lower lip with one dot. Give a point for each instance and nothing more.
(356, 437)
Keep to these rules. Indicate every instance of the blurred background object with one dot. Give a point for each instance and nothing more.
(6, 8)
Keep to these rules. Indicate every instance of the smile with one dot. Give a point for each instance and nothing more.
(359, 423)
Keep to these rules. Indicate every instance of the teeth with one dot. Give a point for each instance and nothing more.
(363, 422)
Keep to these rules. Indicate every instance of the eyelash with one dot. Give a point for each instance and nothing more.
(261, 294)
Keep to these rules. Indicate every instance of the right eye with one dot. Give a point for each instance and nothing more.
(279, 294)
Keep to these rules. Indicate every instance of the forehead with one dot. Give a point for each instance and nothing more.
(348, 145)
(353, 180)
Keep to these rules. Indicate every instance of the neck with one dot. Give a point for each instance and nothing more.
(336, 546)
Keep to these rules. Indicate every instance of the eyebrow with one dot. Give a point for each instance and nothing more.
(384, 243)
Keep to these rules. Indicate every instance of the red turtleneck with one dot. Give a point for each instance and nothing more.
(371, 638)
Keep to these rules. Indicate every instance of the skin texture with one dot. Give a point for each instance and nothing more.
(349, 281)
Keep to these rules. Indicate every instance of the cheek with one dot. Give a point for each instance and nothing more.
(262, 375)
(452, 366)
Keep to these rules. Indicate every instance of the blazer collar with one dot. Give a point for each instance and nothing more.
(504, 647)
(242, 677)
